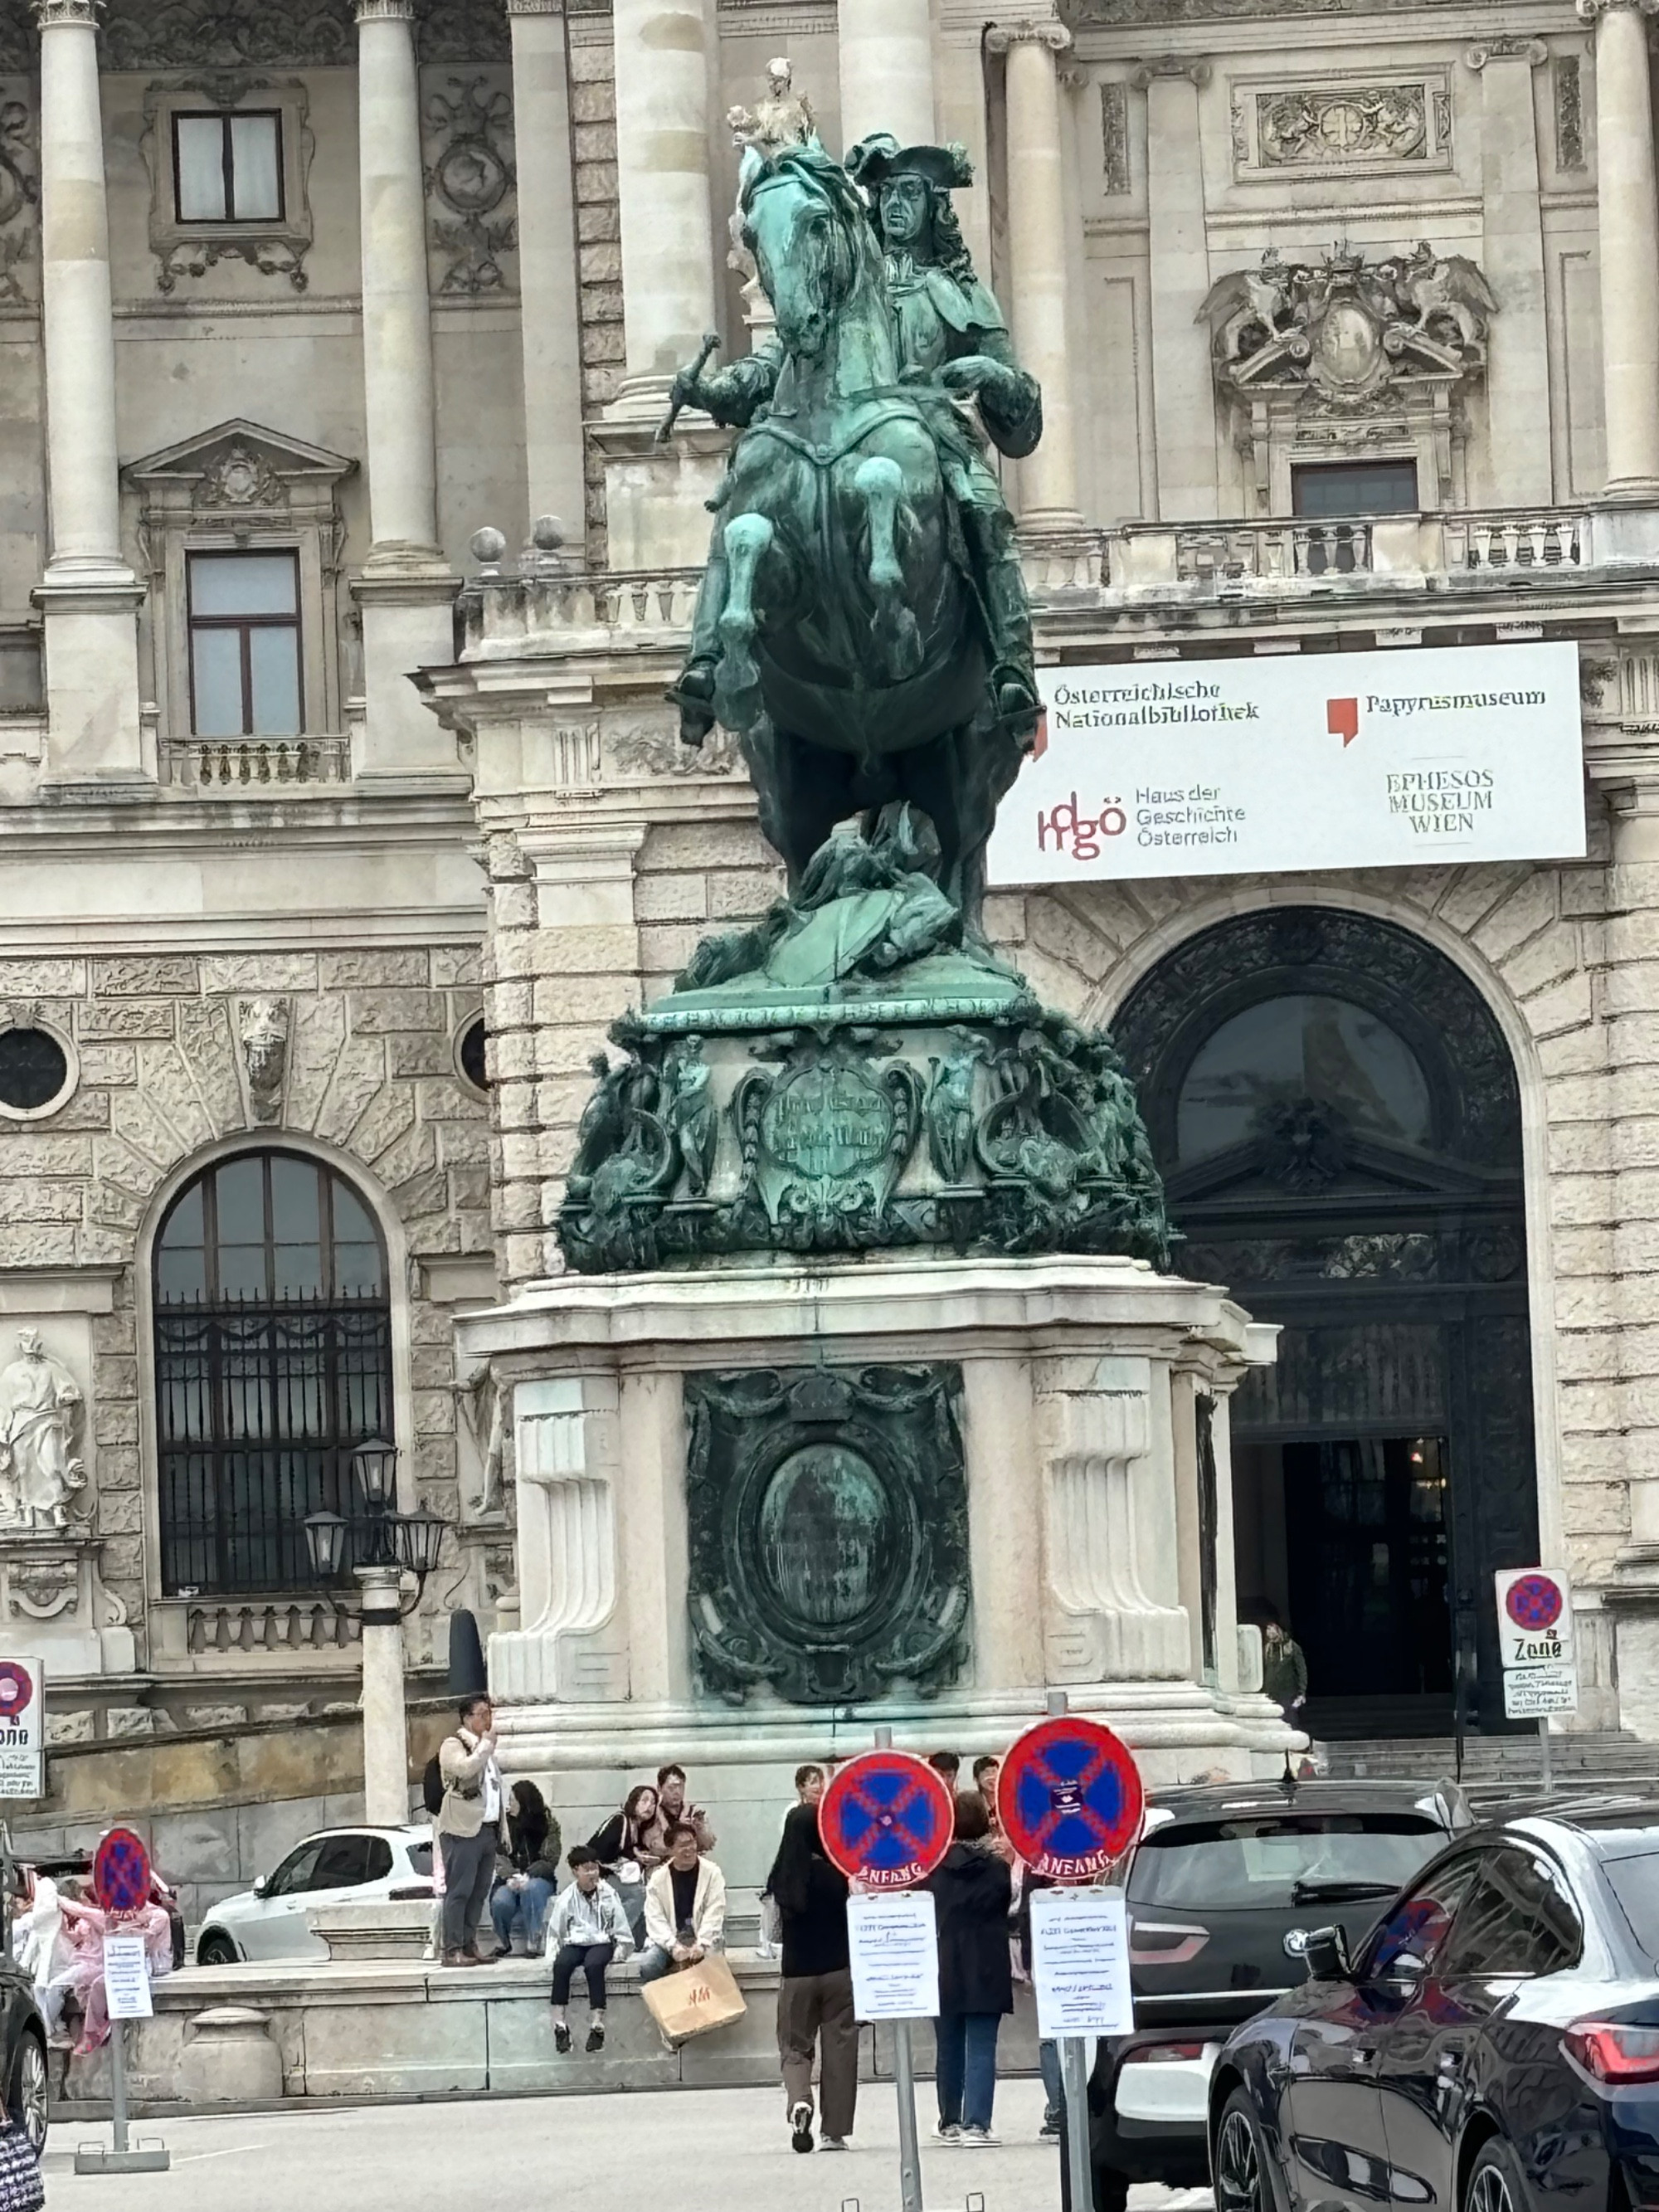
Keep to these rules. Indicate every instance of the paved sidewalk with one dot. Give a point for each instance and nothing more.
(722, 2150)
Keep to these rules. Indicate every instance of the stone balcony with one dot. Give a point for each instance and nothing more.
(1145, 585)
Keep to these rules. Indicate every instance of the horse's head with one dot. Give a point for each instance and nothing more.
(807, 229)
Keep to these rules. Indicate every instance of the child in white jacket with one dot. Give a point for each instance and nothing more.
(586, 1927)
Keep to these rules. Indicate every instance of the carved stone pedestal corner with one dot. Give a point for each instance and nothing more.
(656, 511)
(53, 1603)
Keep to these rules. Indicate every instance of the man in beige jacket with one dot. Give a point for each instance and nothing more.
(469, 1827)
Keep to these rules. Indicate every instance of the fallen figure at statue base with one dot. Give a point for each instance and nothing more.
(859, 1071)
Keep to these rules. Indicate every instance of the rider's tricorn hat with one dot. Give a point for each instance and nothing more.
(874, 160)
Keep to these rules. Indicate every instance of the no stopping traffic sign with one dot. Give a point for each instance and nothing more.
(1069, 1798)
(886, 1819)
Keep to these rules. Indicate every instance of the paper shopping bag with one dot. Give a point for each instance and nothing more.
(696, 1999)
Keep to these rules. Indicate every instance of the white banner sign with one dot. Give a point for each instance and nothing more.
(893, 1938)
(126, 1978)
(1281, 762)
(1531, 1694)
(1080, 1962)
(22, 1727)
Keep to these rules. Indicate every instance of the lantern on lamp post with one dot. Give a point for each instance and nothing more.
(380, 1549)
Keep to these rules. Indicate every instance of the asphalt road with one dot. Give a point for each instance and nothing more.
(715, 2150)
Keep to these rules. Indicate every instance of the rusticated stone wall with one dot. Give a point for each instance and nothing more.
(370, 1075)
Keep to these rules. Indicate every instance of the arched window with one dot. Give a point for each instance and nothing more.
(273, 1362)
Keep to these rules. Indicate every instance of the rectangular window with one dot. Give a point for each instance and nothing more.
(228, 168)
(1343, 488)
(245, 645)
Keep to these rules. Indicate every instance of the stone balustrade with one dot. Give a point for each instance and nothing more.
(1148, 565)
(236, 767)
(235, 1629)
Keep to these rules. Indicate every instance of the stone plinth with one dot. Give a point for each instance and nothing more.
(1025, 1463)
(405, 2028)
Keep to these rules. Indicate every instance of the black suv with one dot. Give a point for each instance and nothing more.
(23, 2079)
(1226, 1885)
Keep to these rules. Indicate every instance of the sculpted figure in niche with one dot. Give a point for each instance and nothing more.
(39, 1412)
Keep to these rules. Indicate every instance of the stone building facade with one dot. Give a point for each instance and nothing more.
(317, 292)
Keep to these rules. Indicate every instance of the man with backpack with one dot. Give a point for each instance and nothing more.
(469, 1827)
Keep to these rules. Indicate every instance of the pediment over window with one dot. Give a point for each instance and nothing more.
(239, 465)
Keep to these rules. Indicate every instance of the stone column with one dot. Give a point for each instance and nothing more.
(1004, 1478)
(386, 1741)
(1517, 375)
(654, 512)
(405, 590)
(886, 50)
(1037, 260)
(547, 307)
(1183, 395)
(1627, 198)
(88, 594)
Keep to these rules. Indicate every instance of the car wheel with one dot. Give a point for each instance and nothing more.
(216, 1949)
(1494, 2184)
(26, 2097)
(1241, 2161)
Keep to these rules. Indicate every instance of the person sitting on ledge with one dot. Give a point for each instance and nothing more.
(685, 1907)
(587, 1927)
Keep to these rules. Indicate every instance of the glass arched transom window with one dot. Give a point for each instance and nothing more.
(1307, 1044)
(273, 1362)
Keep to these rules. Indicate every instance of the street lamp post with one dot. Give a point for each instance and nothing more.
(383, 1548)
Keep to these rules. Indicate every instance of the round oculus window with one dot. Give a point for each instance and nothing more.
(37, 1073)
(470, 1055)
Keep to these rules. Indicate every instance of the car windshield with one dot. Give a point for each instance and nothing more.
(1263, 1859)
(1635, 1883)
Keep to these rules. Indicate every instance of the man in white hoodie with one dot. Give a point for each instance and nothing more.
(586, 1928)
(685, 1907)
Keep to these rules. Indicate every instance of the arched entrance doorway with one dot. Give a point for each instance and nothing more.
(1336, 1115)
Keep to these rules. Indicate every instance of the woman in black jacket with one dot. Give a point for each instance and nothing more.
(815, 1994)
(623, 1847)
(972, 1890)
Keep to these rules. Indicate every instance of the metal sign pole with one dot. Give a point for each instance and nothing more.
(1074, 2072)
(117, 2085)
(1545, 1780)
(904, 2081)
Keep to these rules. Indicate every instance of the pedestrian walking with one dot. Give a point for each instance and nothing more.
(627, 1850)
(685, 1907)
(1048, 2048)
(1284, 1671)
(585, 1930)
(469, 1828)
(815, 1994)
(972, 1890)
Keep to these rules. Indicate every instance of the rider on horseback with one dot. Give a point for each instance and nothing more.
(952, 343)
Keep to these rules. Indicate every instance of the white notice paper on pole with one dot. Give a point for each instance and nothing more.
(894, 1940)
(1080, 1962)
(126, 1978)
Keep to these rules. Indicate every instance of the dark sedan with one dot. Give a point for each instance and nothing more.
(1492, 2047)
(1223, 1891)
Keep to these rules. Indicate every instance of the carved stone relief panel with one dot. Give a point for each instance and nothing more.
(1342, 126)
(20, 198)
(1570, 112)
(142, 35)
(472, 189)
(1114, 136)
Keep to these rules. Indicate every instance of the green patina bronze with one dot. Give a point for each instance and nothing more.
(863, 623)
(828, 1519)
(858, 1071)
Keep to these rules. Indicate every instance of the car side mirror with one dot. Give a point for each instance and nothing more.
(1325, 1953)
(259, 1882)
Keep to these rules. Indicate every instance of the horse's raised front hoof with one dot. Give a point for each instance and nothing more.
(694, 695)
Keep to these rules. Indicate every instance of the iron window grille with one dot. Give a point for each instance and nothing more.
(273, 1363)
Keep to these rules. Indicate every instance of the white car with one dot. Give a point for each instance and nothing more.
(339, 1866)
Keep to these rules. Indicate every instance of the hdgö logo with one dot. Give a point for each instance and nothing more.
(1342, 719)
